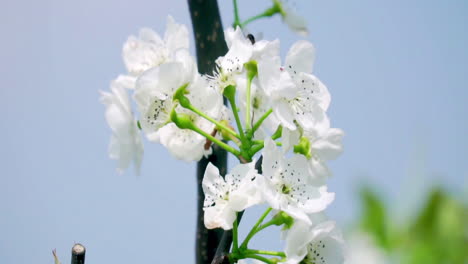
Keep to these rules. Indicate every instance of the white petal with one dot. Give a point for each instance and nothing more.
(183, 144)
(295, 22)
(329, 145)
(269, 73)
(211, 179)
(301, 57)
(284, 113)
(176, 36)
(289, 138)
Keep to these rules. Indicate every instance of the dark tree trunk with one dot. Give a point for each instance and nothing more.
(209, 43)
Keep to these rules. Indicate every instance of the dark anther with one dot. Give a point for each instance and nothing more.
(251, 38)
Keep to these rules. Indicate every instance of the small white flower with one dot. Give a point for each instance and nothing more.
(241, 50)
(186, 144)
(325, 144)
(287, 184)
(295, 22)
(125, 144)
(297, 96)
(232, 64)
(149, 50)
(156, 87)
(225, 197)
(319, 243)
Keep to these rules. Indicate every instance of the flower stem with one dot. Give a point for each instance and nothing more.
(267, 224)
(254, 228)
(265, 252)
(260, 121)
(224, 127)
(236, 15)
(232, 102)
(215, 140)
(235, 246)
(267, 13)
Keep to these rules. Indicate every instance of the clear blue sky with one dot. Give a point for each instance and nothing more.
(398, 75)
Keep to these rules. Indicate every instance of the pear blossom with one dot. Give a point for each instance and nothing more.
(325, 144)
(287, 184)
(149, 50)
(297, 96)
(185, 144)
(241, 50)
(224, 197)
(125, 144)
(232, 64)
(319, 243)
(156, 87)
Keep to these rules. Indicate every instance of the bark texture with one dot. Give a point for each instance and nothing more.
(209, 43)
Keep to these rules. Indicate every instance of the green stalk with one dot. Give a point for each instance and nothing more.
(235, 246)
(254, 228)
(232, 102)
(260, 121)
(267, 13)
(236, 15)
(215, 140)
(265, 252)
(200, 113)
(267, 224)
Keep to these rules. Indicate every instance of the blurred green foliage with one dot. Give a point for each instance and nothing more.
(438, 234)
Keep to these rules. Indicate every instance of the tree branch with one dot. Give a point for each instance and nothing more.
(209, 43)
(78, 254)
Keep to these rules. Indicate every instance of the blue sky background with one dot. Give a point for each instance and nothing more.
(397, 71)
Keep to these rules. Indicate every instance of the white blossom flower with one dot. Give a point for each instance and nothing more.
(148, 50)
(295, 22)
(241, 50)
(224, 197)
(156, 87)
(186, 144)
(232, 64)
(298, 97)
(319, 243)
(125, 144)
(287, 184)
(325, 144)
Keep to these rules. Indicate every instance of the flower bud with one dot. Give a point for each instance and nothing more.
(183, 121)
(251, 68)
(179, 96)
(303, 147)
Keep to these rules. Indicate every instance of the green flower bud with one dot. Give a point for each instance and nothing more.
(179, 96)
(183, 121)
(303, 147)
(230, 92)
(251, 68)
(283, 218)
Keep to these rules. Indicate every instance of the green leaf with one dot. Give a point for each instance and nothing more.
(374, 217)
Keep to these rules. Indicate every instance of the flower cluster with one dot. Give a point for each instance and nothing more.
(279, 109)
